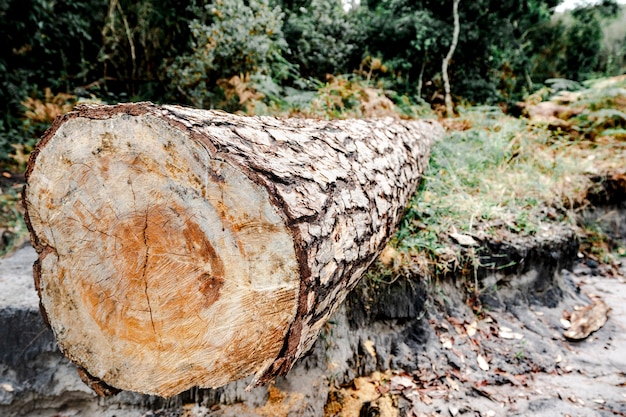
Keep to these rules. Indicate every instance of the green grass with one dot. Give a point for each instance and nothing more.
(502, 178)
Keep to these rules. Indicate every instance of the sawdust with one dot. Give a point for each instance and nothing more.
(280, 403)
(363, 397)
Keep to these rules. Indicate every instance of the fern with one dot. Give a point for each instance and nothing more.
(619, 133)
(607, 115)
(562, 84)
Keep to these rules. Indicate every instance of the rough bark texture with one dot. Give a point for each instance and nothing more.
(181, 247)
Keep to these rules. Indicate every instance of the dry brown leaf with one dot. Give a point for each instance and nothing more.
(400, 383)
(446, 343)
(588, 319)
(471, 328)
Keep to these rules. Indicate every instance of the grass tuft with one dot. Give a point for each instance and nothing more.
(502, 178)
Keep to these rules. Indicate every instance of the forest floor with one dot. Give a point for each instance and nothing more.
(563, 377)
(512, 361)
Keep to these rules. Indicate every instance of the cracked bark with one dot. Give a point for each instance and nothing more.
(181, 247)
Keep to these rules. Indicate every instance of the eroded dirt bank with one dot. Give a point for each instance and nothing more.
(404, 347)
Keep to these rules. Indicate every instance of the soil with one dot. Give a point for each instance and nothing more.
(403, 348)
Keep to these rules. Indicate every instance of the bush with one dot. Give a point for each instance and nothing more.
(241, 38)
(321, 38)
(47, 44)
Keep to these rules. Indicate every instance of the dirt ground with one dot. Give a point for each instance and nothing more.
(588, 377)
(514, 362)
(511, 360)
(591, 377)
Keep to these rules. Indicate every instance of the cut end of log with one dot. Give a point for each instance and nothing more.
(153, 251)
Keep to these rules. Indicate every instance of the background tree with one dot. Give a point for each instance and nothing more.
(448, 57)
(138, 39)
(573, 45)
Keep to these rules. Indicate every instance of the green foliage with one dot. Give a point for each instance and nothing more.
(583, 40)
(580, 44)
(240, 38)
(492, 60)
(265, 56)
(408, 37)
(189, 51)
(320, 36)
(47, 44)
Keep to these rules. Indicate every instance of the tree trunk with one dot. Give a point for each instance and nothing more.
(181, 247)
(420, 80)
(448, 57)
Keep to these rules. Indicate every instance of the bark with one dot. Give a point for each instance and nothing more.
(181, 247)
(448, 57)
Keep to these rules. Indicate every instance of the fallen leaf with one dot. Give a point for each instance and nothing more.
(471, 328)
(506, 333)
(459, 326)
(453, 384)
(587, 320)
(463, 239)
(400, 382)
(482, 363)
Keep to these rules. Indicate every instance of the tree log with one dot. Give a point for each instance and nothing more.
(181, 247)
